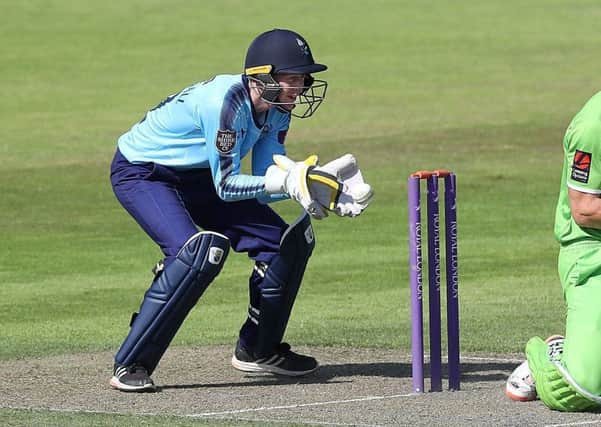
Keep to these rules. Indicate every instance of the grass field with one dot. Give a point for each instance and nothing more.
(483, 88)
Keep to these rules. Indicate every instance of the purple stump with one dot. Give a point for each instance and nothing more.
(415, 267)
(452, 282)
(434, 284)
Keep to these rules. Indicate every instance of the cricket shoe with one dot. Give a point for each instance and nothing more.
(131, 378)
(283, 362)
(520, 384)
(555, 344)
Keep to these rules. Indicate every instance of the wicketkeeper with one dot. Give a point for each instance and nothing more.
(566, 373)
(179, 169)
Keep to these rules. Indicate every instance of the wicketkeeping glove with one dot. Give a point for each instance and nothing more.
(339, 186)
(290, 177)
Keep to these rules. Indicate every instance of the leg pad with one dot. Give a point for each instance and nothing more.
(554, 385)
(281, 283)
(171, 297)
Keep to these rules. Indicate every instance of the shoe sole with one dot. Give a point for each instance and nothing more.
(519, 398)
(118, 385)
(553, 338)
(255, 367)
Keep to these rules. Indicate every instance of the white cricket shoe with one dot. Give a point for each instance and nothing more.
(520, 384)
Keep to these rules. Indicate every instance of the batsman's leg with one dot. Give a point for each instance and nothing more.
(572, 381)
(555, 386)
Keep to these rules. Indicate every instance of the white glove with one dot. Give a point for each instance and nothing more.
(290, 177)
(339, 186)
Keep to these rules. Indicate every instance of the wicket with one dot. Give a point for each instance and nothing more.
(416, 285)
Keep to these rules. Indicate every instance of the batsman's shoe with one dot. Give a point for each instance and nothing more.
(131, 378)
(282, 362)
(555, 344)
(520, 384)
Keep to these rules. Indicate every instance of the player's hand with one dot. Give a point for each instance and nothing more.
(290, 177)
(339, 186)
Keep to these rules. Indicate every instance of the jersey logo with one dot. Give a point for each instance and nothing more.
(226, 141)
(581, 166)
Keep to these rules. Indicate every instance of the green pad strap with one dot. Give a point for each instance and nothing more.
(552, 387)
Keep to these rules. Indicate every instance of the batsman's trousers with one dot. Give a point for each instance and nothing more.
(580, 274)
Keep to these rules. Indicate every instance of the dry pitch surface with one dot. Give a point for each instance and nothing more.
(366, 387)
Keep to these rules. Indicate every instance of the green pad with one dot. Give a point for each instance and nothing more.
(551, 386)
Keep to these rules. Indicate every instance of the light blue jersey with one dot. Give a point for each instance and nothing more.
(210, 125)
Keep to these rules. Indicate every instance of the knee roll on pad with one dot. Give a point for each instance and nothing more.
(170, 298)
(281, 283)
(554, 384)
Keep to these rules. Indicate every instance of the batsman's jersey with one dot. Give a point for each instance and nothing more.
(579, 260)
(581, 170)
(211, 125)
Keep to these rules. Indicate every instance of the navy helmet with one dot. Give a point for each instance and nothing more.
(285, 51)
(281, 51)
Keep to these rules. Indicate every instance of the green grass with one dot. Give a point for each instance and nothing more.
(483, 88)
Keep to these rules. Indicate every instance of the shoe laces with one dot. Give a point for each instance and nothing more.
(555, 349)
(137, 368)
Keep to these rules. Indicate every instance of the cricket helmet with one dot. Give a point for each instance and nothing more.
(285, 52)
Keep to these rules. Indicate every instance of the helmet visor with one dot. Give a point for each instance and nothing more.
(301, 69)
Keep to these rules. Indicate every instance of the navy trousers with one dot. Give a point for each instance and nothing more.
(171, 204)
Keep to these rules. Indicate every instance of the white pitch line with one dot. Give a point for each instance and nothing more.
(577, 423)
(481, 359)
(304, 421)
(183, 416)
(492, 359)
(300, 405)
